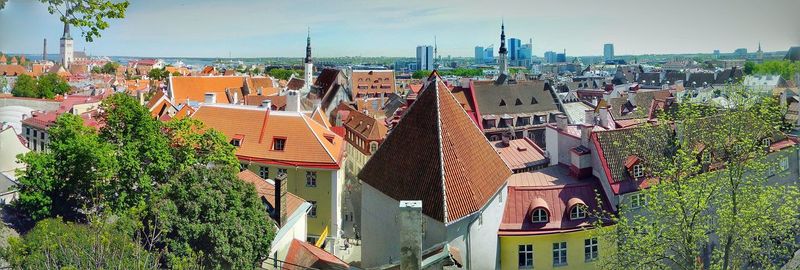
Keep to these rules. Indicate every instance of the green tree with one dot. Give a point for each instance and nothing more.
(787, 69)
(157, 74)
(140, 148)
(257, 71)
(25, 87)
(89, 15)
(210, 212)
(49, 85)
(110, 68)
(421, 74)
(176, 74)
(284, 74)
(54, 244)
(749, 67)
(711, 192)
(72, 177)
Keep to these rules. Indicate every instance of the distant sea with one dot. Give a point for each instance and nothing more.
(195, 62)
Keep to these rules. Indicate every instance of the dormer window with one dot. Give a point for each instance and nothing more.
(373, 147)
(518, 102)
(766, 142)
(236, 142)
(539, 215)
(638, 170)
(278, 144)
(502, 102)
(578, 211)
(534, 101)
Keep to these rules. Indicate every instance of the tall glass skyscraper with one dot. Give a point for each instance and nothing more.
(608, 52)
(514, 45)
(425, 57)
(479, 55)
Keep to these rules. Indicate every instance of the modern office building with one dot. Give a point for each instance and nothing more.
(561, 57)
(488, 55)
(550, 57)
(608, 51)
(514, 45)
(425, 57)
(740, 53)
(479, 54)
(716, 54)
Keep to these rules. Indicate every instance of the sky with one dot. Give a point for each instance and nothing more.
(277, 28)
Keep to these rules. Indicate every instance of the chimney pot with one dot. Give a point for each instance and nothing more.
(561, 121)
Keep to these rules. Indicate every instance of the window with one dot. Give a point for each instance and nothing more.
(638, 170)
(637, 200)
(34, 133)
(312, 212)
(278, 144)
(766, 142)
(525, 256)
(263, 171)
(578, 211)
(311, 179)
(534, 101)
(559, 253)
(41, 135)
(282, 171)
(706, 156)
(502, 102)
(27, 131)
(41, 145)
(518, 102)
(590, 249)
(784, 163)
(373, 147)
(539, 215)
(236, 142)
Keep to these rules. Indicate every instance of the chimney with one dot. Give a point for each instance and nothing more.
(589, 117)
(267, 104)
(140, 95)
(211, 98)
(506, 137)
(586, 131)
(292, 101)
(44, 51)
(561, 121)
(605, 118)
(279, 213)
(410, 235)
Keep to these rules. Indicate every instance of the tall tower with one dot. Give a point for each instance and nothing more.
(309, 68)
(44, 51)
(502, 60)
(66, 46)
(759, 53)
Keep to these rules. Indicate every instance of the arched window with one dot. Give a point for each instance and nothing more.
(539, 215)
(578, 211)
(766, 142)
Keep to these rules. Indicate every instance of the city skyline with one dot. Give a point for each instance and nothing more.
(280, 30)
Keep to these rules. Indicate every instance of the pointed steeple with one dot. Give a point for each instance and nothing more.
(66, 35)
(308, 47)
(503, 38)
(759, 46)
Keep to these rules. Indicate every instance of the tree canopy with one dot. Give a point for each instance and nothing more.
(284, 74)
(90, 16)
(785, 68)
(46, 86)
(711, 204)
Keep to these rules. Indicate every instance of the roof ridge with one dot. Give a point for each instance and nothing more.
(316, 136)
(435, 77)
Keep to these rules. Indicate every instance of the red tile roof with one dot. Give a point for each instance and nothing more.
(266, 190)
(555, 190)
(194, 88)
(436, 154)
(372, 82)
(306, 144)
(520, 153)
(303, 255)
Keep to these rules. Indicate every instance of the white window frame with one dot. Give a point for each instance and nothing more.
(525, 250)
(373, 147)
(537, 218)
(263, 171)
(766, 142)
(637, 200)
(784, 163)
(638, 170)
(311, 179)
(590, 250)
(312, 211)
(559, 253)
(578, 211)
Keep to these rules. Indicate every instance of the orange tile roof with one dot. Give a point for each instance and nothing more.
(303, 255)
(194, 88)
(319, 116)
(308, 144)
(368, 127)
(266, 190)
(438, 155)
(278, 102)
(372, 82)
(520, 153)
(185, 111)
(263, 83)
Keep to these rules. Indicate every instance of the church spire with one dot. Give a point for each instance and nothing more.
(503, 38)
(308, 46)
(66, 34)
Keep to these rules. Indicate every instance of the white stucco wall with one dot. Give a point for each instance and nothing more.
(295, 228)
(482, 237)
(380, 226)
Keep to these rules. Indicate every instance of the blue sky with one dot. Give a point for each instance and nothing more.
(250, 28)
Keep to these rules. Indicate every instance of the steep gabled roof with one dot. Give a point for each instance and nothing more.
(498, 99)
(622, 108)
(365, 125)
(614, 150)
(304, 255)
(307, 143)
(436, 154)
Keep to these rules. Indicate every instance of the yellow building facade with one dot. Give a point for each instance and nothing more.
(577, 254)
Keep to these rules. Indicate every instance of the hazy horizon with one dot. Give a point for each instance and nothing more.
(259, 29)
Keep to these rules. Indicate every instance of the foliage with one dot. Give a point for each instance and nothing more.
(212, 213)
(158, 73)
(421, 74)
(24, 87)
(69, 179)
(257, 71)
(284, 74)
(53, 244)
(176, 74)
(109, 68)
(749, 67)
(89, 15)
(711, 193)
(787, 69)
(46, 86)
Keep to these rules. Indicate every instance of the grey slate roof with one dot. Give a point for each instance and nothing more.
(522, 97)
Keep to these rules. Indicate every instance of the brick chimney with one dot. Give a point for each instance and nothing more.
(410, 235)
(279, 213)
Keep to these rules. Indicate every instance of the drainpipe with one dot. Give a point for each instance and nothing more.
(468, 260)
